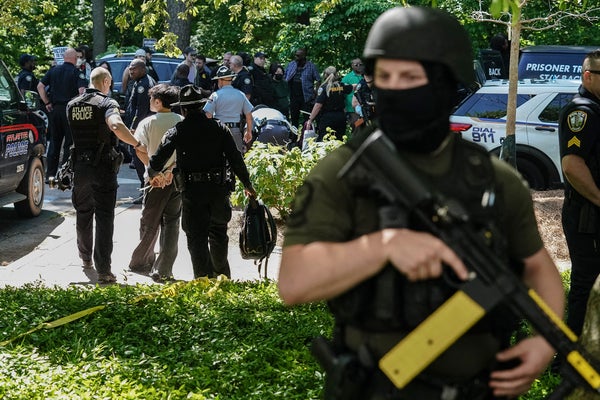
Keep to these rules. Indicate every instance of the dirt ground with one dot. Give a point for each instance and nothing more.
(547, 206)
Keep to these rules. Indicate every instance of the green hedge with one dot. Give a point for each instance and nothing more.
(192, 340)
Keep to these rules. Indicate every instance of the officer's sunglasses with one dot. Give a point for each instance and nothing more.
(593, 71)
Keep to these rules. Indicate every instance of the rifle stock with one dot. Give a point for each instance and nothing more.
(377, 165)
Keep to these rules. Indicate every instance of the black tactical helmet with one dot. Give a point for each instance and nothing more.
(422, 34)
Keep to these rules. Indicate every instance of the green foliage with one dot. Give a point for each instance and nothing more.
(197, 340)
(276, 172)
(333, 31)
(200, 340)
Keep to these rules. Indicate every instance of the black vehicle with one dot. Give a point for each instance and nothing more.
(22, 148)
(165, 66)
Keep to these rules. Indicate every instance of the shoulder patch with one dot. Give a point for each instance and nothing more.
(576, 120)
(82, 76)
(303, 197)
(141, 89)
(247, 81)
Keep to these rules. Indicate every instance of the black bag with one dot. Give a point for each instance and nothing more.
(259, 233)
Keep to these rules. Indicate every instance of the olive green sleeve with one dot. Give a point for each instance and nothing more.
(321, 210)
(523, 237)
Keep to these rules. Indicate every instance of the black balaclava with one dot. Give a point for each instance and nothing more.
(417, 119)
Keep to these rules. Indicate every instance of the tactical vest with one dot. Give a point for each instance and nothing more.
(87, 120)
(387, 302)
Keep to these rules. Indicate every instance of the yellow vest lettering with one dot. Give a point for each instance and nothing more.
(82, 113)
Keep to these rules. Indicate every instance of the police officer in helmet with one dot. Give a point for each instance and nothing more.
(203, 147)
(381, 282)
(93, 118)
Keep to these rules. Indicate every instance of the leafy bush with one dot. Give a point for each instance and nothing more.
(196, 340)
(192, 340)
(276, 172)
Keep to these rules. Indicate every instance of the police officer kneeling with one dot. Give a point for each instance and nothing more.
(203, 147)
(92, 116)
(381, 282)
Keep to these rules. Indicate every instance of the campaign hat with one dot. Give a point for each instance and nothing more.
(189, 95)
(224, 72)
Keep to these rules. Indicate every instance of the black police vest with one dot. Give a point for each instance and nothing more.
(387, 302)
(335, 99)
(87, 120)
(593, 161)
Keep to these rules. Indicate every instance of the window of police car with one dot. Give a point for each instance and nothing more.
(481, 118)
(8, 92)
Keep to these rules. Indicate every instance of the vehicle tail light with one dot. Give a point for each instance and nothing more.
(459, 127)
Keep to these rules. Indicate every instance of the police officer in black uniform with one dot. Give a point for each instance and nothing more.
(329, 108)
(203, 147)
(26, 80)
(579, 126)
(262, 92)
(378, 268)
(243, 80)
(64, 81)
(138, 108)
(92, 116)
(363, 101)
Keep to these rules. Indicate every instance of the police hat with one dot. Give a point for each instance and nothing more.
(149, 50)
(25, 58)
(260, 54)
(188, 95)
(224, 72)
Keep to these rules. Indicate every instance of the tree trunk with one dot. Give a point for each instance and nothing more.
(508, 151)
(180, 27)
(99, 27)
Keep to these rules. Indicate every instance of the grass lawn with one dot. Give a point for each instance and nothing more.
(191, 340)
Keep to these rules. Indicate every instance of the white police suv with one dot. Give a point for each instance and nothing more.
(481, 118)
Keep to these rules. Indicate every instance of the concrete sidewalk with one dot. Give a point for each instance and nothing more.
(56, 262)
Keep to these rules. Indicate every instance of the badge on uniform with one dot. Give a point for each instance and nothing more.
(28, 78)
(577, 120)
(140, 89)
(319, 91)
(247, 81)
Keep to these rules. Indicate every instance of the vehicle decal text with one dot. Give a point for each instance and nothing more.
(483, 135)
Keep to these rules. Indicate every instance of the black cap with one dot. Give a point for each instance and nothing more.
(148, 50)
(190, 95)
(259, 54)
(189, 50)
(25, 58)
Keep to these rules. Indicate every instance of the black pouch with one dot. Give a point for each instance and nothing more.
(178, 180)
(588, 218)
(346, 376)
(116, 158)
